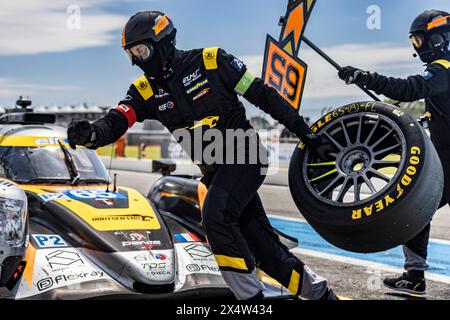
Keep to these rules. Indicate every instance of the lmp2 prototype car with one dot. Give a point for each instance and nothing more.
(90, 239)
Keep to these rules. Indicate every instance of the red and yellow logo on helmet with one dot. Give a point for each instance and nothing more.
(160, 24)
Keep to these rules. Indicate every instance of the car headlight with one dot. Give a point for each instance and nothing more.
(12, 222)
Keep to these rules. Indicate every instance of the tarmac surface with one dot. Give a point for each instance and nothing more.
(354, 279)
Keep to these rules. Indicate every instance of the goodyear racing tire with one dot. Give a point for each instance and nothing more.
(381, 185)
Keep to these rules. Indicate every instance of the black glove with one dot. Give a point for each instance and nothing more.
(353, 75)
(319, 146)
(80, 133)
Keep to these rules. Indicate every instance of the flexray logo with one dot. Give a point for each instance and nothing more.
(201, 267)
(48, 283)
(192, 77)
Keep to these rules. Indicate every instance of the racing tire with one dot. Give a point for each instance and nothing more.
(381, 185)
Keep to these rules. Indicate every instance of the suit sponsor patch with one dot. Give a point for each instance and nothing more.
(197, 86)
(427, 75)
(201, 94)
(237, 64)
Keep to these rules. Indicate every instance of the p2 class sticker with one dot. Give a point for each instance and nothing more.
(49, 240)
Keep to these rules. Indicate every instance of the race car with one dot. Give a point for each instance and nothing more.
(88, 238)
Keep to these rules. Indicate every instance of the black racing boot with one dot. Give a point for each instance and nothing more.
(412, 282)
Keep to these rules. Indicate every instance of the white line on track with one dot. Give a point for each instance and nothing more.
(299, 220)
(366, 264)
(359, 262)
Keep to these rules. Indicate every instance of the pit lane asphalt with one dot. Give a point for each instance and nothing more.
(349, 279)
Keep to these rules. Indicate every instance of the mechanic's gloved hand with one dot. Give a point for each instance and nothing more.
(353, 75)
(319, 146)
(79, 132)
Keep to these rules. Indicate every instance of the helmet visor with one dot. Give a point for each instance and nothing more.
(141, 52)
(417, 40)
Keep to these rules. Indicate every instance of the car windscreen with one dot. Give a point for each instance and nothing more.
(25, 164)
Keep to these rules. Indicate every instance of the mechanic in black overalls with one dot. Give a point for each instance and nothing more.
(430, 34)
(196, 90)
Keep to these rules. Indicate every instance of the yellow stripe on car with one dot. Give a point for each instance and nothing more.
(230, 262)
(30, 141)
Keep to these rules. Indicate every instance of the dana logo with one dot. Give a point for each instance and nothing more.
(192, 77)
(165, 106)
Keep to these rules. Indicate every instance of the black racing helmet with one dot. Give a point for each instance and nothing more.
(430, 34)
(147, 27)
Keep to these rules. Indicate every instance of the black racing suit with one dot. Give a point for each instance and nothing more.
(433, 85)
(200, 91)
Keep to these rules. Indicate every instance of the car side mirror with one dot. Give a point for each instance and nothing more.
(165, 167)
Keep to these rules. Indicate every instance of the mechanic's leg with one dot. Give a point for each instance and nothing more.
(231, 189)
(274, 257)
(416, 251)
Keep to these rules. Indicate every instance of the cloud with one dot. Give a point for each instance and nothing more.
(40, 26)
(12, 88)
(322, 80)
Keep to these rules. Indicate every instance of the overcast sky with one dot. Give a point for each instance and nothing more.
(45, 55)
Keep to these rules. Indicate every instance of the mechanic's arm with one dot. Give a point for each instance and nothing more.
(110, 127)
(236, 77)
(432, 82)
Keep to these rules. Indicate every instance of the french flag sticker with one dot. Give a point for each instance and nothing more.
(187, 237)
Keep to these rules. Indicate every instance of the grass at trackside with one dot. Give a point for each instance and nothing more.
(151, 152)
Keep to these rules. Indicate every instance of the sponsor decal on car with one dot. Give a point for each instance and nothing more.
(136, 240)
(158, 264)
(54, 268)
(81, 194)
(63, 279)
(195, 258)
